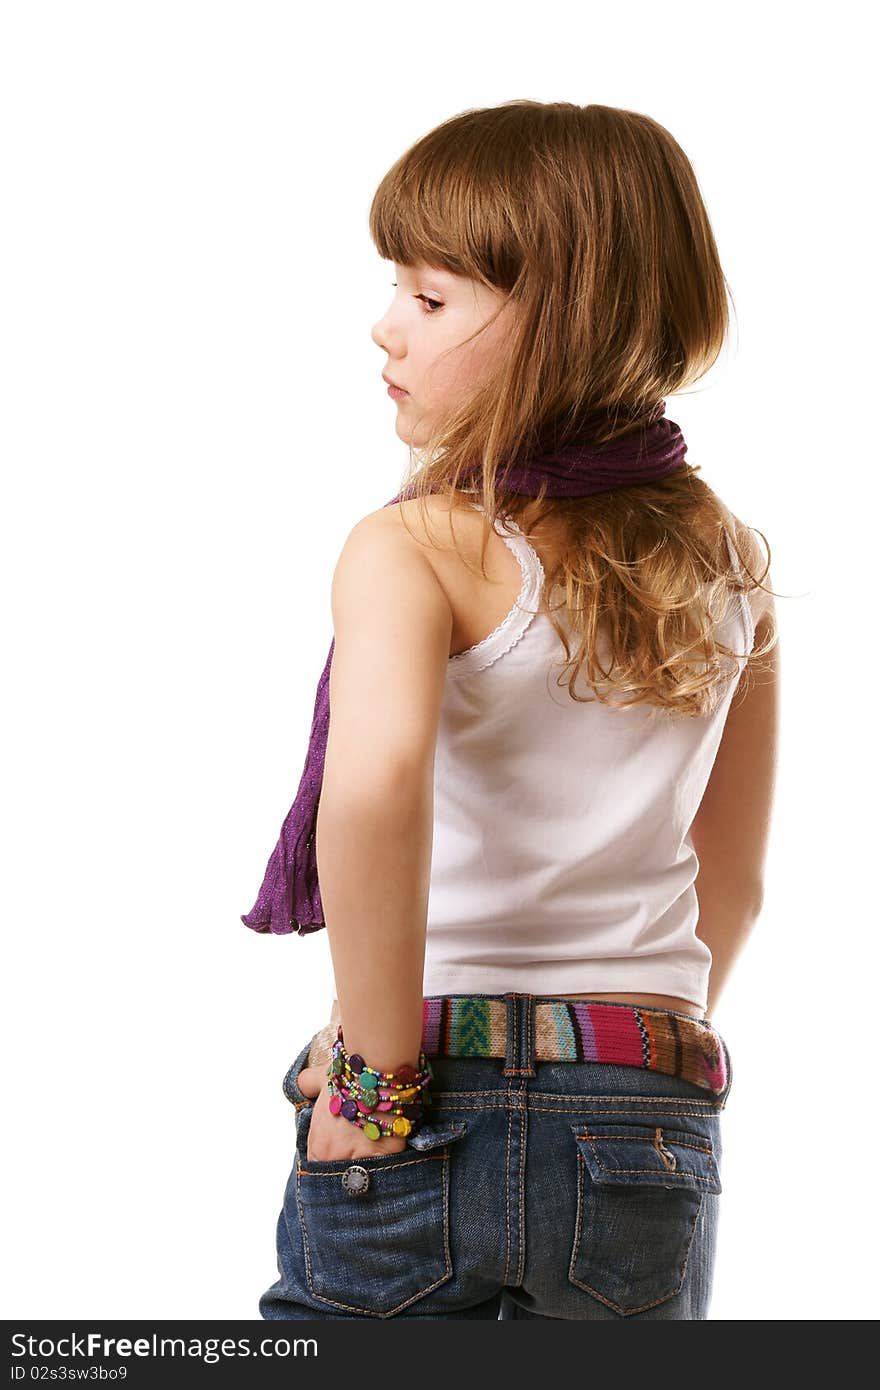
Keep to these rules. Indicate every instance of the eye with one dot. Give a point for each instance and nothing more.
(435, 303)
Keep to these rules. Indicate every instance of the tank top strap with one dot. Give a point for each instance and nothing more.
(526, 606)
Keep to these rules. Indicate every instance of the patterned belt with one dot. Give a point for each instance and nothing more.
(571, 1030)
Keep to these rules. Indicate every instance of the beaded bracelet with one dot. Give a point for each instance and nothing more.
(358, 1099)
(358, 1092)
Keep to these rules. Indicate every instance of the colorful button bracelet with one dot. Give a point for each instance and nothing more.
(359, 1093)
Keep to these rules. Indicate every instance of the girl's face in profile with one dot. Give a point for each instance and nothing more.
(432, 313)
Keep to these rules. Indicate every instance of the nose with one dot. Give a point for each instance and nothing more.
(379, 334)
(387, 333)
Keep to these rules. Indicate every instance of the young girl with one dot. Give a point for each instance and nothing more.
(542, 811)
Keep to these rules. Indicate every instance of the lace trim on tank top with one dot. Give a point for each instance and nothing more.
(523, 613)
(525, 609)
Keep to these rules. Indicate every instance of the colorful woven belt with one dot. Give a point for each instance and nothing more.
(572, 1030)
(583, 1030)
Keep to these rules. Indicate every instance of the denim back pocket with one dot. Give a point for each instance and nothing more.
(375, 1230)
(640, 1192)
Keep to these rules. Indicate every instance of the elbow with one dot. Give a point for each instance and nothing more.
(393, 800)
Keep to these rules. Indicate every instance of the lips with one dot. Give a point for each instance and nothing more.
(389, 382)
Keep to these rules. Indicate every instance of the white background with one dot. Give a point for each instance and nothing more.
(192, 420)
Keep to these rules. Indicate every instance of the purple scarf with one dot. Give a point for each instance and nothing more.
(290, 898)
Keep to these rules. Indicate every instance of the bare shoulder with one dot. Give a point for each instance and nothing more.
(379, 572)
(392, 534)
(411, 548)
(440, 528)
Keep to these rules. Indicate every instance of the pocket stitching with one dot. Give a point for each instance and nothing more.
(579, 1231)
(353, 1307)
(370, 1158)
(667, 1176)
(670, 1179)
(603, 1298)
(640, 1139)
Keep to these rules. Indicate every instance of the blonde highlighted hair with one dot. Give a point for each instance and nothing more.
(589, 219)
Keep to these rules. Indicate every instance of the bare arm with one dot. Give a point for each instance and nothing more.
(731, 828)
(393, 627)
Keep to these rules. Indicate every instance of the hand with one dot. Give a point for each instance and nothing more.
(332, 1136)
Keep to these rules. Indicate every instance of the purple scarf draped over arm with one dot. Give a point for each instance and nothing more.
(290, 897)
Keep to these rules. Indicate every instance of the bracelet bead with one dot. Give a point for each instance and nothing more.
(358, 1092)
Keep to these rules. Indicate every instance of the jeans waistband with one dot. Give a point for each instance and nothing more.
(525, 1029)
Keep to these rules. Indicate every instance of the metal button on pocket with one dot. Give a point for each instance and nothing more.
(355, 1180)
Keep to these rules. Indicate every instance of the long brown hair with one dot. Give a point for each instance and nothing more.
(590, 220)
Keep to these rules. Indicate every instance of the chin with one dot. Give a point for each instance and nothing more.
(414, 432)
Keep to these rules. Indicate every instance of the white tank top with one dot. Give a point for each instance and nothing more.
(562, 860)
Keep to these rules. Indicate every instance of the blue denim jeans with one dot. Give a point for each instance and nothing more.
(589, 1190)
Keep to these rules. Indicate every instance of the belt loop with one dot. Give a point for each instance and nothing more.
(511, 1060)
(520, 1057)
(527, 1035)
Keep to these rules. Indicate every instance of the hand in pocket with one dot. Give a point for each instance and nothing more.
(332, 1137)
